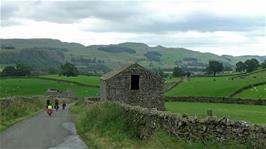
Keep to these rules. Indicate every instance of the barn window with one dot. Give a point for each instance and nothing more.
(134, 82)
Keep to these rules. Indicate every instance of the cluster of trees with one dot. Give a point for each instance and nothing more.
(214, 67)
(153, 56)
(86, 61)
(94, 68)
(18, 70)
(178, 72)
(249, 65)
(69, 69)
(117, 49)
(7, 47)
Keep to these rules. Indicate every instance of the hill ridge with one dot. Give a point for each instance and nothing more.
(92, 58)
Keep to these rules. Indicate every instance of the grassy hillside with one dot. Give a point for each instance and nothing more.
(97, 57)
(28, 87)
(215, 86)
(37, 59)
(249, 113)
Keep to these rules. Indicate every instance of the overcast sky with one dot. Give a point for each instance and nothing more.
(234, 27)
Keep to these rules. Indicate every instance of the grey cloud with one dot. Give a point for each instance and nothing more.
(70, 12)
(198, 22)
(8, 11)
(124, 17)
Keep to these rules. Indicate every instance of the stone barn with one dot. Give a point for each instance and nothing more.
(135, 85)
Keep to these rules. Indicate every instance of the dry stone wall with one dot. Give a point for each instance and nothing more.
(190, 128)
(216, 100)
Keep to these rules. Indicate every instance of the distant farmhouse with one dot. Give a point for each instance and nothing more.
(135, 85)
(59, 93)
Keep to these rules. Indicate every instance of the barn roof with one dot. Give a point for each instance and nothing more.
(121, 69)
(115, 72)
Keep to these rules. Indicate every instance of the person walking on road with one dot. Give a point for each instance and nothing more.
(64, 105)
(56, 104)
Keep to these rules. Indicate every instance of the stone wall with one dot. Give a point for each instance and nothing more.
(193, 128)
(216, 100)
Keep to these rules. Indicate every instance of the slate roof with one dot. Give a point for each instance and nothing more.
(116, 71)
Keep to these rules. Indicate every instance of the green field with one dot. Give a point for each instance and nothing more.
(249, 113)
(90, 80)
(28, 87)
(255, 92)
(215, 86)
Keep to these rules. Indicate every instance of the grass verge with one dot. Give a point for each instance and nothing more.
(19, 110)
(106, 126)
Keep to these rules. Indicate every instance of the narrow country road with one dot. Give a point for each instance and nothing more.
(43, 132)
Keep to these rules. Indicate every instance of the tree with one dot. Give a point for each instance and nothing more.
(22, 70)
(69, 69)
(251, 64)
(9, 71)
(178, 72)
(263, 64)
(215, 67)
(240, 66)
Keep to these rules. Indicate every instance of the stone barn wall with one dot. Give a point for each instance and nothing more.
(149, 94)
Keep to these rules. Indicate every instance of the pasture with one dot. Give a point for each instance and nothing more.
(215, 86)
(248, 113)
(30, 86)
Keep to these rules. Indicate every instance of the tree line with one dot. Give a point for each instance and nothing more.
(215, 67)
(249, 65)
(66, 69)
(18, 70)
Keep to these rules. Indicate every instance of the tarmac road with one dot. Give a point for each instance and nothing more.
(43, 132)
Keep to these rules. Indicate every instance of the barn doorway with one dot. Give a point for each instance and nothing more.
(134, 82)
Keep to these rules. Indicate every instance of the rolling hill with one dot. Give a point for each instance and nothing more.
(45, 54)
